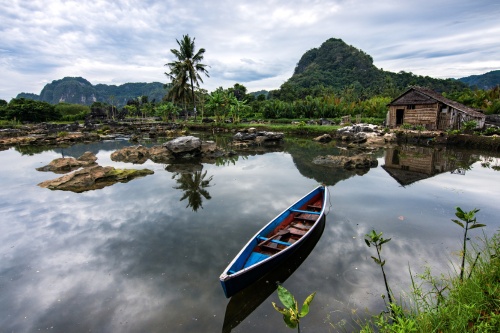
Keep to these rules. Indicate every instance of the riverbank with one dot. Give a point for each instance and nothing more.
(436, 304)
(47, 134)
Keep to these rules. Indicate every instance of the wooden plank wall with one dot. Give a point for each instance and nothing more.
(425, 115)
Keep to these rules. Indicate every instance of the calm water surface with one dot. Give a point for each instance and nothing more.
(145, 256)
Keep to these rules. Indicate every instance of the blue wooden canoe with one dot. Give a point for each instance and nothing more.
(275, 241)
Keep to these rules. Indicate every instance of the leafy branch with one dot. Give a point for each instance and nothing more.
(377, 240)
(468, 222)
(291, 313)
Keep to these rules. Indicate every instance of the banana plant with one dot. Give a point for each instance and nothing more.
(469, 218)
(291, 313)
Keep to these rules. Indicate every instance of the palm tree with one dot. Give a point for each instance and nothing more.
(179, 90)
(187, 66)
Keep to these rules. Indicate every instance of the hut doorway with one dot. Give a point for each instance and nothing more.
(400, 116)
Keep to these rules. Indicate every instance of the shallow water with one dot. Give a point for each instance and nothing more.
(145, 256)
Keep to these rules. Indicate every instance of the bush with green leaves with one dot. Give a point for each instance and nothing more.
(469, 126)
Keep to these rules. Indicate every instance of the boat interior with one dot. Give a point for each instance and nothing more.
(295, 226)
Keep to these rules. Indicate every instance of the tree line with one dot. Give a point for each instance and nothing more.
(304, 96)
(231, 105)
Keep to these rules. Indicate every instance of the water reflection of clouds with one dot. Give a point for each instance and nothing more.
(131, 257)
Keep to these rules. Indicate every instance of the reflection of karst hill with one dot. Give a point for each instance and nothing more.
(409, 164)
(304, 152)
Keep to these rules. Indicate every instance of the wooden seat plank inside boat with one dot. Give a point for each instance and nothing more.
(300, 225)
(296, 231)
(307, 217)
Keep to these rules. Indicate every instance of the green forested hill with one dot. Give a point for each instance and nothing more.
(77, 90)
(343, 69)
(484, 81)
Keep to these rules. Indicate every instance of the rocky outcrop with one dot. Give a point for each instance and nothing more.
(92, 178)
(133, 154)
(369, 134)
(182, 147)
(159, 154)
(367, 128)
(210, 150)
(184, 144)
(323, 138)
(347, 162)
(67, 164)
(44, 139)
(252, 137)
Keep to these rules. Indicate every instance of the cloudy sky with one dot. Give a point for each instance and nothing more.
(255, 43)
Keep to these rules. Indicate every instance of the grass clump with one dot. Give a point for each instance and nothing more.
(469, 305)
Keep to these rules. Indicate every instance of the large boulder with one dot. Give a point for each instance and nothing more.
(251, 137)
(67, 164)
(358, 128)
(272, 136)
(357, 138)
(88, 157)
(347, 162)
(243, 136)
(160, 154)
(92, 178)
(323, 138)
(184, 144)
(134, 154)
(209, 149)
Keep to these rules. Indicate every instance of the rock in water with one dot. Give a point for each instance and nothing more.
(184, 144)
(93, 178)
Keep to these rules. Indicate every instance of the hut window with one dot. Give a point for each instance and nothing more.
(411, 107)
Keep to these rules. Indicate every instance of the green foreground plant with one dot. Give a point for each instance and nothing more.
(469, 218)
(471, 305)
(377, 240)
(440, 304)
(291, 313)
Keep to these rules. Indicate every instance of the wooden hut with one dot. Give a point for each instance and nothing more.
(422, 106)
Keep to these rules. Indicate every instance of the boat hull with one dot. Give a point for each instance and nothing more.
(244, 302)
(240, 273)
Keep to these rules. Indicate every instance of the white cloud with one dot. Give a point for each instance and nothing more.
(256, 43)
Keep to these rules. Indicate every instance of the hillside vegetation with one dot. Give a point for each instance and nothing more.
(485, 81)
(336, 67)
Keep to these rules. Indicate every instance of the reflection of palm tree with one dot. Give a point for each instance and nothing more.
(193, 185)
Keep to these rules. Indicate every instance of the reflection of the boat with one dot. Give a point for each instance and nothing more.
(246, 301)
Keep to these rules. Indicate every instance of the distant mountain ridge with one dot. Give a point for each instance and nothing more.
(484, 81)
(77, 90)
